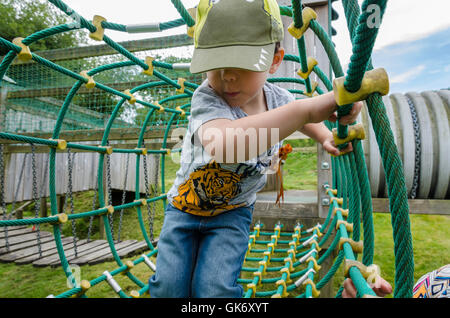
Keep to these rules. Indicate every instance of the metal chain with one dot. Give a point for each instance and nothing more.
(70, 193)
(36, 198)
(417, 149)
(150, 209)
(124, 193)
(94, 207)
(108, 180)
(2, 193)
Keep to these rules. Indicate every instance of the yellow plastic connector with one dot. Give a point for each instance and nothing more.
(348, 226)
(108, 149)
(357, 247)
(354, 132)
(61, 218)
(132, 99)
(284, 293)
(62, 144)
(258, 274)
(252, 287)
(318, 230)
(317, 267)
(90, 80)
(183, 113)
(264, 264)
(311, 62)
(289, 262)
(315, 292)
(333, 191)
(339, 201)
(142, 150)
(143, 202)
(110, 209)
(25, 53)
(374, 81)
(308, 14)
(149, 62)
(129, 265)
(257, 228)
(84, 285)
(291, 253)
(100, 31)
(190, 30)
(344, 212)
(161, 109)
(181, 83)
(135, 294)
(314, 86)
(166, 150)
(370, 273)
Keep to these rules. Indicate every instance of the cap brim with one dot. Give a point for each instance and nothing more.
(253, 58)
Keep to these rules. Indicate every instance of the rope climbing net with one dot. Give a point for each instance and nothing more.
(297, 254)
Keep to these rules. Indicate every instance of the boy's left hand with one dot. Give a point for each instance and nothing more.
(330, 147)
(351, 117)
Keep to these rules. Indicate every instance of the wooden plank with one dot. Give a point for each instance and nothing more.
(124, 252)
(13, 228)
(69, 252)
(31, 251)
(66, 241)
(24, 238)
(104, 49)
(15, 232)
(87, 249)
(100, 253)
(20, 246)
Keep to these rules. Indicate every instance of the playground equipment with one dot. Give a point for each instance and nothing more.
(349, 191)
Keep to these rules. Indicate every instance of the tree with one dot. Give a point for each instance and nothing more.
(25, 17)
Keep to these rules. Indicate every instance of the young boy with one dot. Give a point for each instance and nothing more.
(237, 124)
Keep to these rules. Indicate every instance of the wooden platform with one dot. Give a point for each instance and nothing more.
(23, 248)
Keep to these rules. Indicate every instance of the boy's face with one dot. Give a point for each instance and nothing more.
(239, 87)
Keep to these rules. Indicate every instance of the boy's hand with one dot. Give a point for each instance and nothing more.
(351, 117)
(330, 147)
(380, 287)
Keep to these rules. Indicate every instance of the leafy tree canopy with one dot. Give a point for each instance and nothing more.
(25, 17)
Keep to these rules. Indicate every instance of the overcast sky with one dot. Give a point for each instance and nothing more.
(404, 21)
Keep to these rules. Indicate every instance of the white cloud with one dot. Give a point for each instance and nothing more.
(407, 76)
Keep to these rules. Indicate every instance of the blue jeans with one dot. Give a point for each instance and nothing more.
(201, 256)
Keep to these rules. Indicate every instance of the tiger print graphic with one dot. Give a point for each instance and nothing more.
(208, 191)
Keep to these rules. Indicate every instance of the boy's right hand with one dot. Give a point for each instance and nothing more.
(380, 287)
(349, 118)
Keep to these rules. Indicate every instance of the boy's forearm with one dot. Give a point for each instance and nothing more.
(245, 138)
(317, 131)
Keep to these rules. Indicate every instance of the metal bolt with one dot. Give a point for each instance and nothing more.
(325, 165)
(325, 201)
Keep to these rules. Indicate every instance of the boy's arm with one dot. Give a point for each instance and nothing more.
(243, 139)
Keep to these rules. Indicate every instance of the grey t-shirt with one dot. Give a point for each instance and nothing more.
(206, 187)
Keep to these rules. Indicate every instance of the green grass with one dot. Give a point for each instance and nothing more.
(431, 240)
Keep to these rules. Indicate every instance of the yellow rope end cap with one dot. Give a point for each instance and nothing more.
(374, 81)
(90, 80)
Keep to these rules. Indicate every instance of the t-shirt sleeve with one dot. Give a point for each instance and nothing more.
(206, 106)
